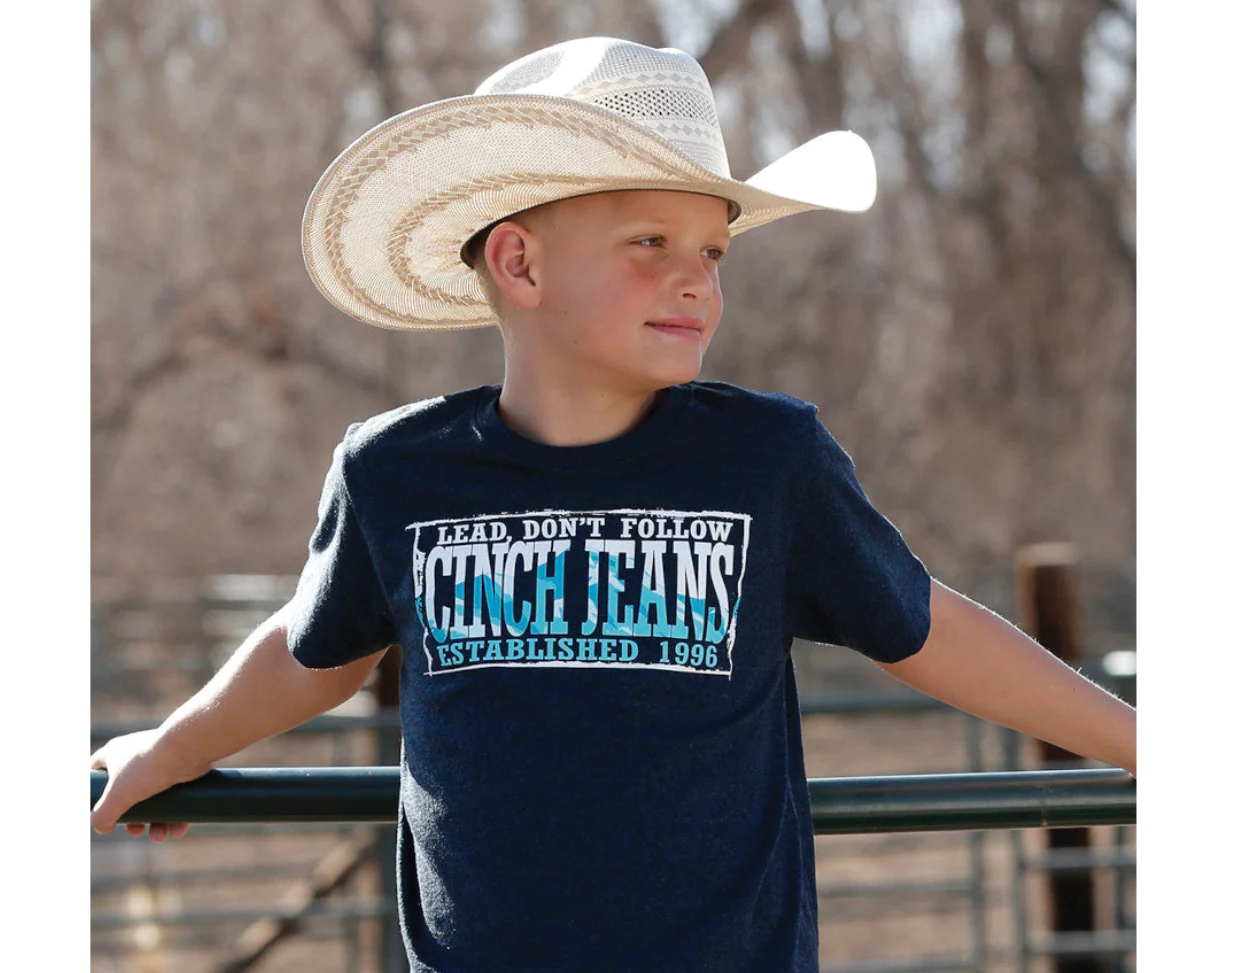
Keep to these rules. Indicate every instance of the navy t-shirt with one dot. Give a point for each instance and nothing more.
(602, 766)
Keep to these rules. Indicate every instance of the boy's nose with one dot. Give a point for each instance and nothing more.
(694, 278)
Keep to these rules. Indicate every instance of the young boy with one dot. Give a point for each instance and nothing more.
(595, 571)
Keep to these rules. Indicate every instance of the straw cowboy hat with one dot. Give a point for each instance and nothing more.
(385, 228)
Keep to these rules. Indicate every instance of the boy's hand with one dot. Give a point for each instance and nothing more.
(261, 691)
(137, 769)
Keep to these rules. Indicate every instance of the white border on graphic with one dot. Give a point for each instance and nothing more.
(418, 556)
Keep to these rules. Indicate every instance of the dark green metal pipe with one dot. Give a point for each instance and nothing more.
(840, 805)
(968, 802)
(271, 794)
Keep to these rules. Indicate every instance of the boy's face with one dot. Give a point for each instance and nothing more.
(611, 267)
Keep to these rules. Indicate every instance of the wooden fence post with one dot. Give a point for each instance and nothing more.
(1049, 613)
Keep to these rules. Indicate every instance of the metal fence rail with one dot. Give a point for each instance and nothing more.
(840, 805)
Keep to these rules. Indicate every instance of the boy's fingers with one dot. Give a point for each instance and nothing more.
(98, 822)
(103, 819)
(157, 830)
(112, 803)
(110, 807)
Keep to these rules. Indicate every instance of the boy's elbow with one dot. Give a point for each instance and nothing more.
(949, 611)
(329, 685)
(340, 683)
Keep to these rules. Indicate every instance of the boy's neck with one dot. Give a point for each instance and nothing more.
(571, 417)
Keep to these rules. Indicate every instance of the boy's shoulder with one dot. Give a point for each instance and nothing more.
(770, 426)
(415, 424)
(726, 394)
(734, 403)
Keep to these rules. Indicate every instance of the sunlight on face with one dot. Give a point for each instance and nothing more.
(630, 295)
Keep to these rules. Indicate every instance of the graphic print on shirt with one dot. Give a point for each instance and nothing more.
(656, 589)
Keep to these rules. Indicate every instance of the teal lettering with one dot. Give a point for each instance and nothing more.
(593, 548)
(459, 628)
(652, 592)
(692, 581)
(487, 590)
(721, 559)
(437, 619)
(515, 625)
(550, 586)
(612, 625)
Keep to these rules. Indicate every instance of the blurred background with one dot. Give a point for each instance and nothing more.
(970, 341)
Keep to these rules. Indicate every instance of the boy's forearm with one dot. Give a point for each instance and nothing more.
(979, 663)
(261, 691)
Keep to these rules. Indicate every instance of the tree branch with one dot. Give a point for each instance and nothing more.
(369, 47)
(1061, 131)
(728, 48)
(819, 77)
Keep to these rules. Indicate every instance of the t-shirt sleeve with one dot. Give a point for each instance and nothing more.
(852, 579)
(339, 612)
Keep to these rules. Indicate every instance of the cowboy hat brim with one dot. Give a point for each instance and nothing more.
(384, 227)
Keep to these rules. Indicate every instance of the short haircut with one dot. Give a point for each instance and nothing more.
(473, 256)
(473, 249)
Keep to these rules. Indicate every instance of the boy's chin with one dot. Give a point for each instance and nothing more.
(651, 376)
(662, 378)
(680, 369)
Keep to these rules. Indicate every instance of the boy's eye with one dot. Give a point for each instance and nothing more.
(716, 254)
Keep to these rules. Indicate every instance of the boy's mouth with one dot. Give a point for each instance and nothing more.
(686, 326)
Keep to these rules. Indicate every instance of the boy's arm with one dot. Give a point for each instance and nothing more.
(261, 691)
(978, 662)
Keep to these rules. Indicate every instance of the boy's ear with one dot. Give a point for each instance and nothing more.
(509, 254)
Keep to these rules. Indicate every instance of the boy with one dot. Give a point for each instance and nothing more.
(595, 571)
